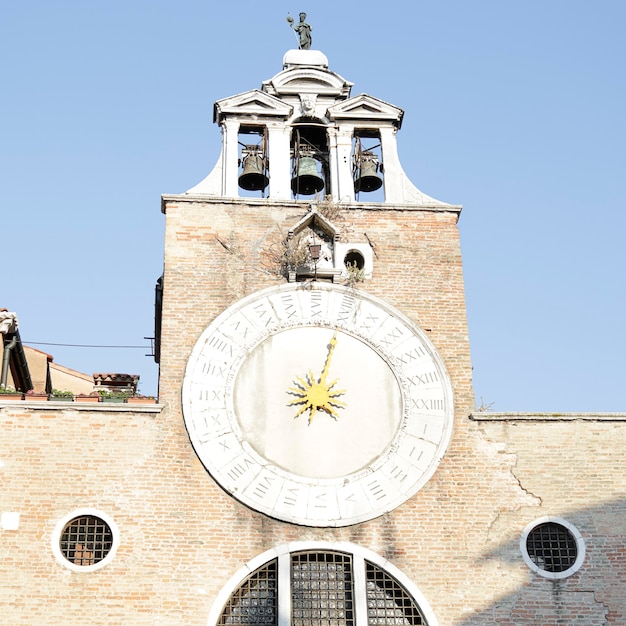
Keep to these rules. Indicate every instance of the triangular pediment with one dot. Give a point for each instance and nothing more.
(317, 222)
(249, 103)
(364, 107)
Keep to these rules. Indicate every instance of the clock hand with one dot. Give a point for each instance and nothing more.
(331, 349)
(316, 395)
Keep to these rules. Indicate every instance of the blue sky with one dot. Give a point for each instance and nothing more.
(513, 109)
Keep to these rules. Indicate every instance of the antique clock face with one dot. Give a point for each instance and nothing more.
(317, 404)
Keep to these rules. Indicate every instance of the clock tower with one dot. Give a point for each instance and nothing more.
(313, 331)
(314, 458)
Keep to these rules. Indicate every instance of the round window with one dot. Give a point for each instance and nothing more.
(552, 547)
(354, 259)
(85, 540)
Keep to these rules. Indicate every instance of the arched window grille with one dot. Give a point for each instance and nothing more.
(255, 602)
(322, 588)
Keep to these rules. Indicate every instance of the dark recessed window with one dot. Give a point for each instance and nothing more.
(551, 547)
(354, 259)
(86, 540)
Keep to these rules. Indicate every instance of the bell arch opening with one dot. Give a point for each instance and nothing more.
(309, 158)
(253, 160)
(320, 584)
(367, 165)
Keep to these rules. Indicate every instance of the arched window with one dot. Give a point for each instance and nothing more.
(320, 584)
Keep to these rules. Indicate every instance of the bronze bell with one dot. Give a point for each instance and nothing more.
(368, 180)
(308, 181)
(253, 177)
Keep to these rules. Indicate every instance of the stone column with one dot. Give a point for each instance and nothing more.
(279, 161)
(230, 165)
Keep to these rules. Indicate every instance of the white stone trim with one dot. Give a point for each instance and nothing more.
(342, 249)
(580, 548)
(359, 554)
(60, 527)
(8, 322)
(512, 416)
(366, 109)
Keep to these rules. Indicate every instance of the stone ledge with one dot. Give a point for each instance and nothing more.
(298, 204)
(101, 407)
(489, 416)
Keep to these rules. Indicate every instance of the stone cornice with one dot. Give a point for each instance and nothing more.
(99, 407)
(488, 416)
(302, 204)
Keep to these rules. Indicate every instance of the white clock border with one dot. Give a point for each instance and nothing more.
(407, 463)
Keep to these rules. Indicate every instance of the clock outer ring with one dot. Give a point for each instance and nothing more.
(222, 448)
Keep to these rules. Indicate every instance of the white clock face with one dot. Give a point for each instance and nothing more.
(317, 404)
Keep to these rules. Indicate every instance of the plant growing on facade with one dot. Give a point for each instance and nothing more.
(285, 253)
(354, 274)
(59, 393)
(9, 390)
(107, 393)
(329, 209)
(288, 252)
(484, 406)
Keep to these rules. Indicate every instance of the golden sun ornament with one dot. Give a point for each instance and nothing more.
(318, 395)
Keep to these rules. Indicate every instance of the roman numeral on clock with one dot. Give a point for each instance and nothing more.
(391, 337)
(220, 345)
(239, 328)
(237, 470)
(423, 379)
(262, 488)
(346, 309)
(412, 355)
(376, 489)
(431, 404)
(316, 304)
(211, 395)
(291, 496)
(211, 368)
(288, 304)
(263, 314)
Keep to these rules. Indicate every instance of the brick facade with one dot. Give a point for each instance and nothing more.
(182, 537)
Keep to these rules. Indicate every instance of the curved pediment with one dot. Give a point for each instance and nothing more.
(298, 80)
(250, 103)
(365, 107)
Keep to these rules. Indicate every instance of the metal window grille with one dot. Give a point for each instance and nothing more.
(551, 547)
(321, 589)
(387, 601)
(86, 540)
(256, 601)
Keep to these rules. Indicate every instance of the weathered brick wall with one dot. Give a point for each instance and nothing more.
(216, 253)
(183, 537)
(573, 467)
